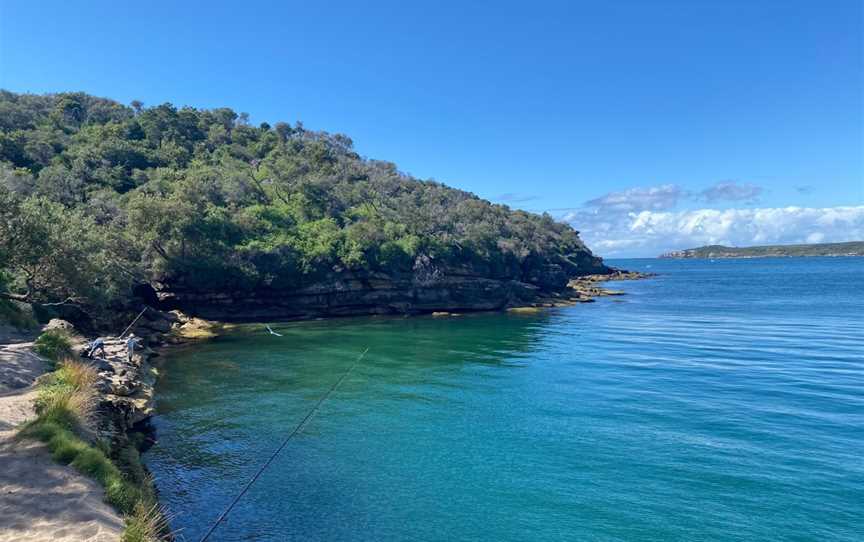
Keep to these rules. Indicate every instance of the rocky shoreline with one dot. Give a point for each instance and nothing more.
(429, 287)
(126, 386)
(373, 294)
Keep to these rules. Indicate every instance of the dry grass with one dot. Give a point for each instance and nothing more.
(69, 394)
(147, 523)
(79, 374)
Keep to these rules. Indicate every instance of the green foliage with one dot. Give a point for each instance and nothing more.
(51, 252)
(18, 315)
(53, 344)
(95, 196)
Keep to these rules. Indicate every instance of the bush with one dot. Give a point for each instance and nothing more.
(54, 345)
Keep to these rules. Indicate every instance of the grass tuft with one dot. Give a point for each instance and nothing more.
(67, 397)
(65, 447)
(54, 345)
(147, 523)
(80, 375)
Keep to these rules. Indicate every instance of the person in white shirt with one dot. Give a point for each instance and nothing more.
(131, 344)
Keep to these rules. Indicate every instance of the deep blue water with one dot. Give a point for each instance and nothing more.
(719, 401)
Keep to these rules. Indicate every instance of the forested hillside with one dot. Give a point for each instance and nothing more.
(97, 197)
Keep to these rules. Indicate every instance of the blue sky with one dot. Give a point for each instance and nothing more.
(596, 111)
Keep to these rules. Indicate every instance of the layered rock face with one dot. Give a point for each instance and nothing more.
(427, 288)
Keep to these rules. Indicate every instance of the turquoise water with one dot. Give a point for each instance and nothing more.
(719, 401)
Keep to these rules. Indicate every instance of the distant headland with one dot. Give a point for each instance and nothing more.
(852, 248)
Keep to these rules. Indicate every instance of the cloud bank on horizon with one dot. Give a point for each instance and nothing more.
(646, 221)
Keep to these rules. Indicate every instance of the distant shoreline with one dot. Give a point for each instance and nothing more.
(830, 250)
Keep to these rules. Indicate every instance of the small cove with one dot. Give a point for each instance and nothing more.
(720, 401)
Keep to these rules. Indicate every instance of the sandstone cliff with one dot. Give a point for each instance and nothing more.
(427, 288)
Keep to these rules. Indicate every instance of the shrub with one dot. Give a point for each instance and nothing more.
(54, 345)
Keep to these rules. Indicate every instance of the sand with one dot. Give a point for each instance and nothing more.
(39, 499)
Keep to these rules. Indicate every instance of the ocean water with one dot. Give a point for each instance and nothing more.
(719, 401)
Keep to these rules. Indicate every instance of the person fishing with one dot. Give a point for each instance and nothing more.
(96, 345)
(131, 343)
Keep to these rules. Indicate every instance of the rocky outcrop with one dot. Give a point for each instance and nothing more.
(427, 289)
(125, 386)
(587, 286)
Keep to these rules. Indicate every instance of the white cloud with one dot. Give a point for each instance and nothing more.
(667, 196)
(656, 198)
(650, 232)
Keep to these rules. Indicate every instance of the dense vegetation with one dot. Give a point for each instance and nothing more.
(96, 196)
(853, 248)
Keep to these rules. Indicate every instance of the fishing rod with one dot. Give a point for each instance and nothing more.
(296, 430)
(133, 322)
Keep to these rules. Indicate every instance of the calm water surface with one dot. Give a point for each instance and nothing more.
(720, 401)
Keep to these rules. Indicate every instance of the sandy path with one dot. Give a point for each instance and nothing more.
(39, 499)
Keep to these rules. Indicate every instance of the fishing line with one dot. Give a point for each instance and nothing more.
(296, 430)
